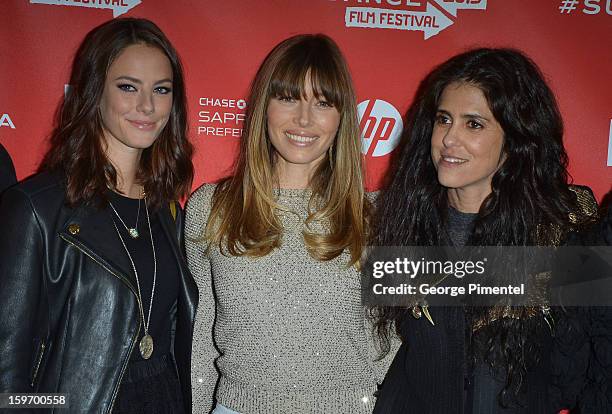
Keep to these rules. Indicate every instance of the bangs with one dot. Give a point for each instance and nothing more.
(289, 78)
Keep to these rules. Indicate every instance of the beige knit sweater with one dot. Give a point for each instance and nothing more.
(286, 333)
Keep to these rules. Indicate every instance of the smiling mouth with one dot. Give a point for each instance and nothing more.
(301, 139)
(453, 160)
(145, 125)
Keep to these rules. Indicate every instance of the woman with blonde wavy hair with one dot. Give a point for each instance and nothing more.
(274, 248)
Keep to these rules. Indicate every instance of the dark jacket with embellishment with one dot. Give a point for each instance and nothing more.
(428, 374)
(70, 317)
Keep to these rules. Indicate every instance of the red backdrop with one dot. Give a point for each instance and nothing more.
(390, 46)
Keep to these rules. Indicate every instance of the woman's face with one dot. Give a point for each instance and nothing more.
(137, 99)
(301, 131)
(467, 141)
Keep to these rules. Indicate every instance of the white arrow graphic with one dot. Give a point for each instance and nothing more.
(452, 6)
(443, 22)
(119, 7)
(430, 22)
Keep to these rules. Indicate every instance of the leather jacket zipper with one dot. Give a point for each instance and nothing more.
(134, 339)
(114, 397)
(41, 353)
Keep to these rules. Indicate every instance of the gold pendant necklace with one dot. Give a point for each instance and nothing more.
(146, 343)
(146, 346)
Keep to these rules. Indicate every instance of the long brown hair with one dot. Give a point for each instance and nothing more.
(242, 217)
(76, 148)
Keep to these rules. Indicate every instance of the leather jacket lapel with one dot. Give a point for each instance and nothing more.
(91, 230)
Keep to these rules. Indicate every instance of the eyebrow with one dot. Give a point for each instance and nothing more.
(138, 81)
(467, 115)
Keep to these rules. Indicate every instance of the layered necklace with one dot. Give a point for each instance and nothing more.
(146, 343)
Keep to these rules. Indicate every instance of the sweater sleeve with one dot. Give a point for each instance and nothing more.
(381, 362)
(203, 370)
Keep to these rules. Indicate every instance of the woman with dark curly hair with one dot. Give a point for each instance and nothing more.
(97, 301)
(484, 165)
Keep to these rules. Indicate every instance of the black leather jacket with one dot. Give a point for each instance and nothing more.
(69, 316)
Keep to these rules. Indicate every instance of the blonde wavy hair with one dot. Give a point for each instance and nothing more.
(243, 219)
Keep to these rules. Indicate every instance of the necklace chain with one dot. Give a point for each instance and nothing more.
(132, 231)
(148, 319)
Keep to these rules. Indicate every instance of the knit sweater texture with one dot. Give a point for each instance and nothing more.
(283, 333)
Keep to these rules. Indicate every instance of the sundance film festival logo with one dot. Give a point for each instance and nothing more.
(586, 6)
(118, 7)
(429, 17)
(381, 127)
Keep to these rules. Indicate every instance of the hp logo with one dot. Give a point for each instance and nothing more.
(381, 127)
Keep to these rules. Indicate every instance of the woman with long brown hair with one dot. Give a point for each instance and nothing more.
(97, 300)
(274, 248)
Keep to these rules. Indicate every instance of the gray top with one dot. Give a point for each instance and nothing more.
(290, 332)
(460, 226)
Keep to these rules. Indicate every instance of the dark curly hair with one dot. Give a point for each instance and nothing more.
(76, 149)
(530, 198)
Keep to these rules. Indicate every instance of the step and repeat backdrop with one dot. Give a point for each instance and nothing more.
(390, 46)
